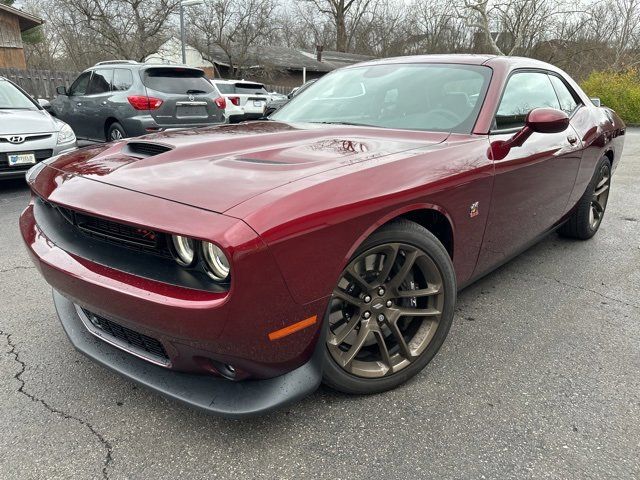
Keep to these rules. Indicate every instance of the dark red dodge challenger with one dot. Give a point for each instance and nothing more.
(236, 267)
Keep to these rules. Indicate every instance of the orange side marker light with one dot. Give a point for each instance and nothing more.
(283, 332)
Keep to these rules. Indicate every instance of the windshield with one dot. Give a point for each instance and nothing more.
(432, 97)
(11, 97)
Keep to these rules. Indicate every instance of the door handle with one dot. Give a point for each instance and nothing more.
(79, 104)
(572, 139)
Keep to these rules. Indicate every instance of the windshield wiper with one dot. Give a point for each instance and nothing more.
(196, 91)
(353, 124)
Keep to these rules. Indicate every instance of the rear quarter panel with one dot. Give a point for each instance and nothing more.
(601, 132)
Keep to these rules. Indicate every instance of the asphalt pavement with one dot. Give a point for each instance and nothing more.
(539, 379)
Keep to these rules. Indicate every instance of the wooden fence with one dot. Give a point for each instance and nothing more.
(43, 83)
(39, 83)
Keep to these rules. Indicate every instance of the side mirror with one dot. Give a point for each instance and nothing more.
(547, 120)
(538, 120)
(596, 101)
(44, 103)
(62, 90)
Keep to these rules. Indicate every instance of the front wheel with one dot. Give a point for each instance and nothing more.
(390, 311)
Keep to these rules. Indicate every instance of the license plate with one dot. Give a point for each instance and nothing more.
(192, 111)
(257, 103)
(22, 159)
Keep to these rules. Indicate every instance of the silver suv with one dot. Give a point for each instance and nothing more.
(118, 99)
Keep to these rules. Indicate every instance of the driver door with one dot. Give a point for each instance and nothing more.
(533, 182)
(75, 111)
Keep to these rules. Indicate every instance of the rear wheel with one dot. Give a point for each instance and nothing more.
(115, 132)
(390, 311)
(585, 221)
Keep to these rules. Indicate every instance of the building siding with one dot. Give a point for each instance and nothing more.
(11, 52)
(12, 58)
(9, 31)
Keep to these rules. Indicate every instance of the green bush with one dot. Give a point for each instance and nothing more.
(617, 90)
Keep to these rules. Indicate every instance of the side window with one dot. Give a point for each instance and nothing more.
(122, 79)
(524, 92)
(79, 87)
(567, 98)
(100, 82)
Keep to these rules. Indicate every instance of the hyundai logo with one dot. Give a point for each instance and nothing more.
(378, 306)
(16, 139)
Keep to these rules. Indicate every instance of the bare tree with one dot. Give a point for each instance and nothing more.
(130, 29)
(346, 16)
(232, 27)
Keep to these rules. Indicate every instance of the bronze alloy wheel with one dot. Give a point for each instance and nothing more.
(600, 196)
(385, 310)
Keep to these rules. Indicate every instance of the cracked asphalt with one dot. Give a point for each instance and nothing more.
(538, 379)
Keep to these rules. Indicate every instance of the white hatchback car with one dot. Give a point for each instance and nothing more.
(245, 100)
(28, 133)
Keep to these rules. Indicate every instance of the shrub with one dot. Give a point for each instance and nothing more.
(617, 90)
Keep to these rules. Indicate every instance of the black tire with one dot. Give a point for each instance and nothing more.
(581, 223)
(115, 132)
(408, 233)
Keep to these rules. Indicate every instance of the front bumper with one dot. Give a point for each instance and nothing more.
(214, 395)
(200, 329)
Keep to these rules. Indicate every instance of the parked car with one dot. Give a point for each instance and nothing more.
(119, 99)
(28, 134)
(236, 268)
(249, 99)
(277, 103)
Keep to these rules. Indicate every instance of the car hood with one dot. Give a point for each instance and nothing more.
(220, 167)
(26, 121)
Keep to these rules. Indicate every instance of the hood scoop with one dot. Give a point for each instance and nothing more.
(145, 149)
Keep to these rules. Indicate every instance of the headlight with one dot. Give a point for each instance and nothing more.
(65, 134)
(216, 261)
(184, 249)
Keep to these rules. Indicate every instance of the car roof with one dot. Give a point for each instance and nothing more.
(138, 66)
(464, 59)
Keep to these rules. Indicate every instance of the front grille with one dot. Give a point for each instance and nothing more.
(27, 138)
(145, 149)
(128, 339)
(39, 154)
(136, 238)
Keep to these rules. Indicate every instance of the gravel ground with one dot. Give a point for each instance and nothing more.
(538, 379)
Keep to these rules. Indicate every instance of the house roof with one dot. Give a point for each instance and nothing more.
(293, 59)
(26, 20)
(268, 56)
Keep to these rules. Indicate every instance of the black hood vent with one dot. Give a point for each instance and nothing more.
(145, 149)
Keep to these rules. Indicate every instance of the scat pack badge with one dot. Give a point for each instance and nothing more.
(473, 209)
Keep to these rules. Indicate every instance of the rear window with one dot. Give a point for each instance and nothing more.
(225, 88)
(251, 89)
(176, 80)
